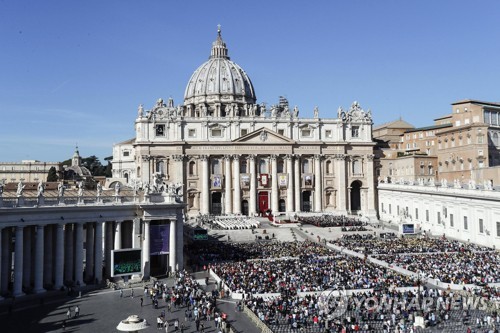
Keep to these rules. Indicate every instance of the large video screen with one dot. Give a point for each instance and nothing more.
(408, 228)
(126, 262)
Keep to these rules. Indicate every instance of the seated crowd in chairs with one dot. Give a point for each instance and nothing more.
(326, 221)
(228, 222)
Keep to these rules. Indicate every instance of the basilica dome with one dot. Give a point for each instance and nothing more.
(219, 80)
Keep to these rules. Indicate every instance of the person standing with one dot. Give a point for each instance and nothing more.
(176, 325)
(142, 300)
(68, 313)
(77, 311)
(132, 293)
(121, 292)
(197, 322)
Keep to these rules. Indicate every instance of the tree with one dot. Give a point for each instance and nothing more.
(52, 176)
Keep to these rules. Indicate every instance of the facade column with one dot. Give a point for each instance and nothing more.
(98, 252)
(318, 195)
(146, 168)
(146, 251)
(39, 255)
(172, 256)
(180, 240)
(289, 185)
(6, 260)
(27, 261)
(236, 185)
(18, 263)
(79, 254)
(341, 183)
(274, 185)
(228, 209)
(135, 228)
(59, 257)
(372, 212)
(118, 235)
(179, 174)
(205, 189)
(108, 246)
(48, 257)
(89, 253)
(297, 180)
(68, 250)
(253, 187)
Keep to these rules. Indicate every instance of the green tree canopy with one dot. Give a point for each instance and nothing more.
(52, 176)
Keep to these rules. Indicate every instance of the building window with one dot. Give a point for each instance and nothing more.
(281, 132)
(356, 167)
(328, 134)
(216, 133)
(215, 167)
(427, 215)
(466, 226)
(355, 132)
(382, 207)
(390, 209)
(452, 223)
(243, 167)
(280, 167)
(160, 167)
(244, 132)
(305, 166)
(262, 166)
(329, 168)
(416, 213)
(498, 229)
(192, 168)
(306, 133)
(480, 139)
(126, 153)
(192, 133)
(481, 226)
(160, 130)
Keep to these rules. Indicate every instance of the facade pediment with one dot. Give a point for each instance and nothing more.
(262, 136)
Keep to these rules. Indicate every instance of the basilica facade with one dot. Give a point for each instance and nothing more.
(234, 155)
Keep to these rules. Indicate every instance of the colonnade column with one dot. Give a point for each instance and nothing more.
(118, 235)
(5, 266)
(59, 264)
(135, 240)
(289, 185)
(68, 250)
(172, 256)
(28, 230)
(371, 186)
(227, 186)
(48, 254)
(205, 189)
(89, 253)
(108, 246)
(297, 184)
(253, 187)
(1, 259)
(318, 197)
(274, 185)
(236, 185)
(341, 183)
(18, 263)
(98, 252)
(180, 240)
(38, 283)
(146, 251)
(79, 254)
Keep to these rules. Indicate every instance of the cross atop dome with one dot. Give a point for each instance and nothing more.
(219, 49)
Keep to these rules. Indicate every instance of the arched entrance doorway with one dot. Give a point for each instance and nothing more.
(355, 196)
(306, 201)
(281, 206)
(244, 207)
(216, 203)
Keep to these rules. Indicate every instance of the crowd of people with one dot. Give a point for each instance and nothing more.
(464, 267)
(227, 222)
(326, 221)
(374, 245)
(380, 310)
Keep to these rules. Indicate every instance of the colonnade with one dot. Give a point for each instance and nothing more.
(53, 255)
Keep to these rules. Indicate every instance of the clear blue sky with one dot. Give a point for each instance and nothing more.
(75, 71)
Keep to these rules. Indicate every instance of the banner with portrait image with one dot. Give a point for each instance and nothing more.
(217, 181)
(245, 181)
(159, 239)
(282, 180)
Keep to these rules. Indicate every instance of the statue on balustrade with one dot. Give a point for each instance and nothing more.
(20, 189)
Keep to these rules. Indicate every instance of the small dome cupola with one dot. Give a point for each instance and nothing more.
(219, 49)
